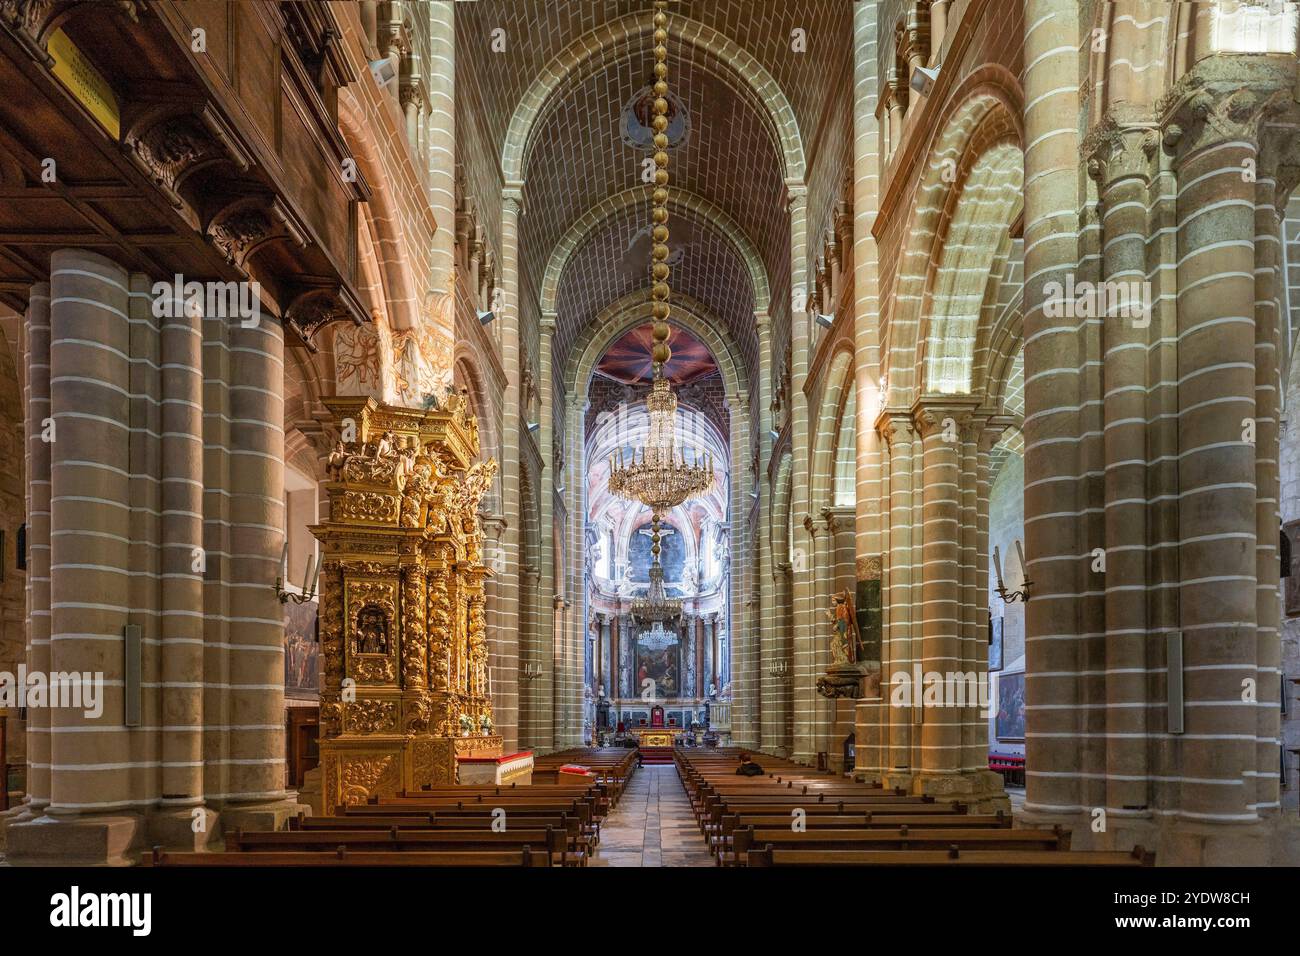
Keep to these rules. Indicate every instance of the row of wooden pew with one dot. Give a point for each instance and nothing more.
(544, 824)
(613, 767)
(795, 816)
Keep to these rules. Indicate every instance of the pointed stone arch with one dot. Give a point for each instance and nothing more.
(986, 111)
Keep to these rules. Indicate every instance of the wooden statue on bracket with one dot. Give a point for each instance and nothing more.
(402, 622)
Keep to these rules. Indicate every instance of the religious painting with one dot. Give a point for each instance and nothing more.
(995, 642)
(661, 663)
(301, 650)
(1011, 707)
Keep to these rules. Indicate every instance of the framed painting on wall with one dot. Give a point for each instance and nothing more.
(995, 643)
(1011, 707)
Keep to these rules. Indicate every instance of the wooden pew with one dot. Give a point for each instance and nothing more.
(525, 856)
(745, 838)
(770, 856)
(406, 839)
(580, 843)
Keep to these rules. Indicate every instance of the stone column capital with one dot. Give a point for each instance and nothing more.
(894, 425)
(549, 322)
(1119, 147)
(934, 413)
(1223, 99)
(512, 197)
(992, 431)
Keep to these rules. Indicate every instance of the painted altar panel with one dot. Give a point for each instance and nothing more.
(659, 661)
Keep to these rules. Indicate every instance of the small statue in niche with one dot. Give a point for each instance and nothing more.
(384, 447)
(334, 464)
(372, 631)
(844, 643)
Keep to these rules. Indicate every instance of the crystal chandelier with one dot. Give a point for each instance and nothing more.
(656, 607)
(658, 475)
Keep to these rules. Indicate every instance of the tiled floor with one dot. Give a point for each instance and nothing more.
(652, 825)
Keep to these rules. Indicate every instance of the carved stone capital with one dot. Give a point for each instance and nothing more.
(1225, 99)
(1115, 149)
(944, 414)
(894, 426)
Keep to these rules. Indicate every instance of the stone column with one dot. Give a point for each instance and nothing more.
(938, 28)
(1279, 149)
(940, 422)
(744, 657)
(180, 450)
(615, 658)
(803, 676)
(251, 704)
(897, 651)
(542, 649)
(1054, 382)
(701, 682)
(769, 629)
(95, 765)
(568, 694)
(511, 445)
(1120, 162)
(440, 138)
(897, 97)
(713, 653)
(866, 321)
(504, 646)
(915, 50)
(36, 358)
(1214, 132)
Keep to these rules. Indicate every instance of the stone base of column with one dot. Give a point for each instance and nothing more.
(107, 840)
(1271, 842)
(179, 829)
(981, 790)
(271, 815)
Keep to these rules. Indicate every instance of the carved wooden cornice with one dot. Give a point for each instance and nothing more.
(316, 306)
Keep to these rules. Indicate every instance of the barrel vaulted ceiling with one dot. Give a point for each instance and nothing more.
(732, 160)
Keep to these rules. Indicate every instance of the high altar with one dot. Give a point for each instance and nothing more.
(657, 734)
(402, 622)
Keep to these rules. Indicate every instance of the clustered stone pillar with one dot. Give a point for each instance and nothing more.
(160, 456)
(1156, 523)
(1054, 407)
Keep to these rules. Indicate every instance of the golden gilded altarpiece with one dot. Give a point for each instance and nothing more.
(403, 628)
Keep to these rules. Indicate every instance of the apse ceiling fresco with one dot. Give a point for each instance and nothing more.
(628, 360)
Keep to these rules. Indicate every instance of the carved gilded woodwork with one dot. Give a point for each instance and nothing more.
(403, 612)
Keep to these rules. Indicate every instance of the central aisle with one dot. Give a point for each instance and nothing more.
(652, 825)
